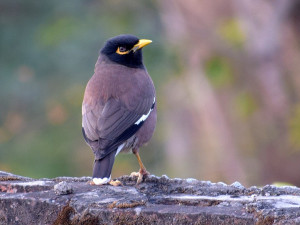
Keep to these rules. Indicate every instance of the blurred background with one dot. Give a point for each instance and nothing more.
(226, 74)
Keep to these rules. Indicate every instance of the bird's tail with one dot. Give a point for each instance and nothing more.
(103, 167)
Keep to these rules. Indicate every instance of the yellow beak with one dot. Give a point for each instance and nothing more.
(142, 43)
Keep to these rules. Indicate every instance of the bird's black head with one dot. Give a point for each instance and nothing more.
(126, 50)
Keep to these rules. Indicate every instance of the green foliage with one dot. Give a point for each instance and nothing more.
(231, 31)
(282, 184)
(219, 71)
(57, 31)
(48, 53)
(245, 104)
(294, 127)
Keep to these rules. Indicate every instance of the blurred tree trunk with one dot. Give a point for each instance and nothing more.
(213, 144)
(263, 23)
(219, 136)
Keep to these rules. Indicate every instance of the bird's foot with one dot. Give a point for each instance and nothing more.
(141, 174)
(99, 181)
(91, 182)
(115, 183)
(112, 182)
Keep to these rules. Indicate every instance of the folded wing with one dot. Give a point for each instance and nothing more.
(106, 126)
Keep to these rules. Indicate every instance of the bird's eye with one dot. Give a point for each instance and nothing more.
(122, 49)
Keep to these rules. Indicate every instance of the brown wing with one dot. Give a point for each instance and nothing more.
(105, 130)
(108, 123)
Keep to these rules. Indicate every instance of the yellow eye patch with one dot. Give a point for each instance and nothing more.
(122, 53)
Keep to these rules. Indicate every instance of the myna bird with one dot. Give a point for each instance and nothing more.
(118, 109)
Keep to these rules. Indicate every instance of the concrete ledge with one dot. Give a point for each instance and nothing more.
(158, 200)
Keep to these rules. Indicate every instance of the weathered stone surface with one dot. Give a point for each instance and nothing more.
(63, 188)
(158, 200)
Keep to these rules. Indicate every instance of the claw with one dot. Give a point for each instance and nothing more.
(140, 179)
(91, 182)
(115, 183)
(134, 174)
(141, 174)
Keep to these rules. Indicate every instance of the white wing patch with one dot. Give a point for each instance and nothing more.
(144, 117)
(119, 149)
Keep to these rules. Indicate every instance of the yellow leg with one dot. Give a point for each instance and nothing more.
(142, 167)
(142, 172)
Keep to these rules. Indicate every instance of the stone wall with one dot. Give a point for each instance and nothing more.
(158, 200)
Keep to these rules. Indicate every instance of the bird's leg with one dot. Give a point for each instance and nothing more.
(142, 172)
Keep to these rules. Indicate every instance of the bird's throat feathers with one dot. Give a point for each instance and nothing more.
(132, 60)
